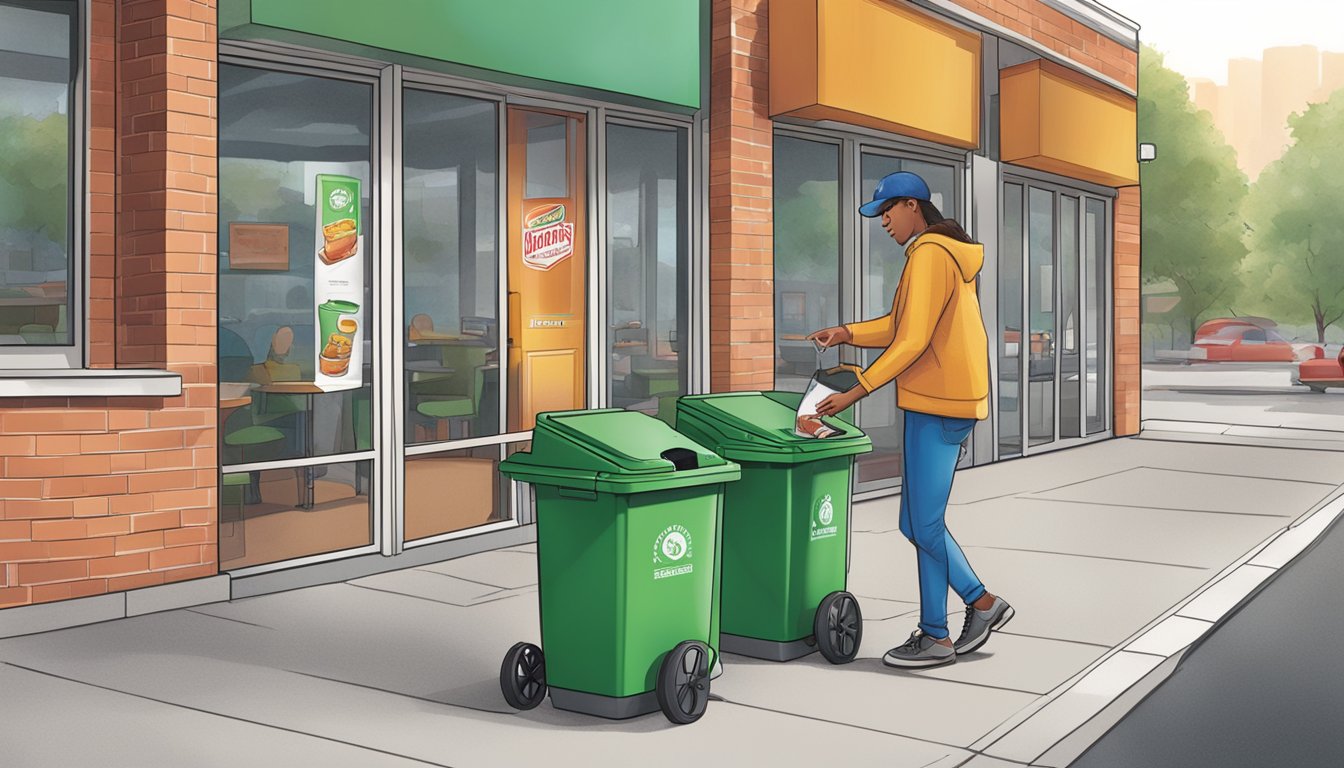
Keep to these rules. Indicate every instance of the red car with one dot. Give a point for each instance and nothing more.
(1319, 374)
(1237, 340)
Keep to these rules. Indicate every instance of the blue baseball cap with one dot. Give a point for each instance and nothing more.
(892, 186)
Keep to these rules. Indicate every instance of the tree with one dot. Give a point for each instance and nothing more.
(1191, 196)
(1295, 270)
(34, 177)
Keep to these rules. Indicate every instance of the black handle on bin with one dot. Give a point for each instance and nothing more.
(681, 458)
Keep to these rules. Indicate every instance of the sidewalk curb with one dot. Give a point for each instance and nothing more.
(1241, 434)
(1058, 727)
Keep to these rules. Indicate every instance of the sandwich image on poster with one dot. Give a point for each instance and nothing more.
(338, 291)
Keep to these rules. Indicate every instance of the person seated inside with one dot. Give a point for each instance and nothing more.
(276, 367)
(422, 328)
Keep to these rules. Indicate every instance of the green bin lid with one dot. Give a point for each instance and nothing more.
(614, 450)
(758, 426)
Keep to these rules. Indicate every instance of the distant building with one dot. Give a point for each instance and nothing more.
(1252, 110)
(1292, 74)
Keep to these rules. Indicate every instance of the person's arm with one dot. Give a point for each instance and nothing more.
(874, 333)
(925, 288)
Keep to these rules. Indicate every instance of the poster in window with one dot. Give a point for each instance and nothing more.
(338, 289)
(258, 246)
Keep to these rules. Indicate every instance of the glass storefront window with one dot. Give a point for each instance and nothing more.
(1042, 344)
(1070, 324)
(263, 518)
(1097, 265)
(277, 133)
(38, 53)
(1010, 324)
(450, 250)
(647, 269)
(479, 494)
(807, 255)
(547, 157)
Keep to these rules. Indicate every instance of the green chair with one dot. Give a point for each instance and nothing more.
(453, 408)
(252, 436)
(241, 432)
(38, 333)
(667, 409)
(653, 380)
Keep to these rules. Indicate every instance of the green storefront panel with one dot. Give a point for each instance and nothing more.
(647, 50)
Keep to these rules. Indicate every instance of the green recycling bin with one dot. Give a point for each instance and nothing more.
(786, 526)
(628, 514)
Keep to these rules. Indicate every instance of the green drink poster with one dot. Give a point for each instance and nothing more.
(338, 289)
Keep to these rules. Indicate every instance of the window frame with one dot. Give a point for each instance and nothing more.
(72, 356)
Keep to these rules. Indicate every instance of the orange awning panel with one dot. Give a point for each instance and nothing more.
(875, 63)
(1057, 120)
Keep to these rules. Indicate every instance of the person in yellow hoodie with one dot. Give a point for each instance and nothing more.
(938, 355)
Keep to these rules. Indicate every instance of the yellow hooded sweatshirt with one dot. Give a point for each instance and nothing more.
(935, 338)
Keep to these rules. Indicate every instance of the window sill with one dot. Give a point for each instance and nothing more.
(120, 382)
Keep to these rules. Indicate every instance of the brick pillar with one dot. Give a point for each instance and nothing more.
(741, 199)
(166, 271)
(104, 494)
(1128, 385)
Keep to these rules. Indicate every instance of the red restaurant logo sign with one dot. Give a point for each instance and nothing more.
(547, 238)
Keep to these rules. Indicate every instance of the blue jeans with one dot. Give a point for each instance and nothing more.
(931, 447)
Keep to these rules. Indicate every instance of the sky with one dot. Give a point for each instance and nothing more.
(1198, 37)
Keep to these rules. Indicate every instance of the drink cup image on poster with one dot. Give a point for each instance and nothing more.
(338, 270)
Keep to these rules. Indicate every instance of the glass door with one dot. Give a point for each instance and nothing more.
(1009, 415)
(547, 301)
(1070, 322)
(1053, 299)
(450, 315)
(297, 316)
(1041, 317)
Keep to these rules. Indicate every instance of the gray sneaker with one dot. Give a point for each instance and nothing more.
(979, 624)
(918, 652)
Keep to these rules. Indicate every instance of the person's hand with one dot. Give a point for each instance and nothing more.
(829, 337)
(840, 401)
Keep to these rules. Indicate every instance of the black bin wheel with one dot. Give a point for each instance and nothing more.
(522, 676)
(683, 682)
(838, 627)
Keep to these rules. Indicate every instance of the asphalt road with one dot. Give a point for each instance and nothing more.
(1265, 689)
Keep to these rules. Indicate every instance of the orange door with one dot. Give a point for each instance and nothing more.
(547, 263)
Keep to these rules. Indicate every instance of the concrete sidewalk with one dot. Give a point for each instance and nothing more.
(1116, 556)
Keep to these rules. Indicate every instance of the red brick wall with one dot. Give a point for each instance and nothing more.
(105, 494)
(741, 199)
(1128, 390)
(1054, 30)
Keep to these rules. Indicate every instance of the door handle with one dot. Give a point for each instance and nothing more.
(515, 315)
